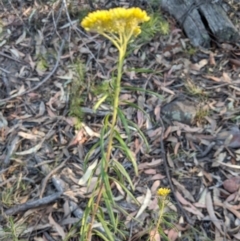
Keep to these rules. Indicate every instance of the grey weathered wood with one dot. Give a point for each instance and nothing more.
(219, 23)
(191, 23)
(190, 15)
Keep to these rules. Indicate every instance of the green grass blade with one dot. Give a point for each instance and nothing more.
(142, 90)
(124, 122)
(89, 154)
(99, 234)
(143, 70)
(122, 170)
(127, 151)
(100, 216)
(135, 106)
(141, 134)
(126, 190)
(109, 206)
(100, 101)
(85, 219)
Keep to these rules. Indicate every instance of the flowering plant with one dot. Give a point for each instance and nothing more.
(162, 195)
(119, 25)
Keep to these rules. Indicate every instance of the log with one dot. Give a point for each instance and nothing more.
(201, 20)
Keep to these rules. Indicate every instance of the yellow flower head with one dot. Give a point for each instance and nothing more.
(163, 192)
(116, 20)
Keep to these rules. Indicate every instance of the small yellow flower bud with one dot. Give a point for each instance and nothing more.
(163, 192)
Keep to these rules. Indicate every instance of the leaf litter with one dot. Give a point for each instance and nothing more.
(45, 181)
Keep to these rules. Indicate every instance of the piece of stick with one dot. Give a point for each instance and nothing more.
(45, 180)
(43, 81)
(33, 204)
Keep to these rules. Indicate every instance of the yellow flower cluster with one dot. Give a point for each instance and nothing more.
(116, 20)
(163, 192)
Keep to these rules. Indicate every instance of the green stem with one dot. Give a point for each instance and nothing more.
(160, 216)
(117, 89)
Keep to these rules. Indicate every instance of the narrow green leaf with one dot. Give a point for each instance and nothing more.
(109, 206)
(85, 219)
(137, 107)
(89, 154)
(124, 122)
(126, 190)
(141, 134)
(120, 167)
(127, 151)
(100, 101)
(142, 70)
(102, 220)
(143, 90)
(99, 234)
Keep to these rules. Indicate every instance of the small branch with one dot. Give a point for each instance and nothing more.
(33, 204)
(43, 81)
(45, 180)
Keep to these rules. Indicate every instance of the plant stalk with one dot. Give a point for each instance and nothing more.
(117, 89)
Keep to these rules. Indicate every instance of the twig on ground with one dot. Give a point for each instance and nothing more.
(43, 81)
(6, 83)
(205, 152)
(168, 174)
(45, 180)
(33, 204)
(10, 57)
(4, 70)
(48, 237)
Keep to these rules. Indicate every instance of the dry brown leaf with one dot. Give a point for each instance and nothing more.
(89, 131)
(155, 187)
(198, 66)
(57, 227)
(214, 219)
(145, 203)
(176, 148)
(167, 90)
(31, 150)
(154, 235)
(235, 62)
(21, 38)
(226, 78)
(187, 128)
(181, 187)
(157, 112)
(212, 61)
(78, 139)
(154, 133)
(214, 78)
(153, 163)
(173, 234)
(153, 205)
(237, 236)
(188, 206)
(28, 136)
(150, 171)
(157, 177)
